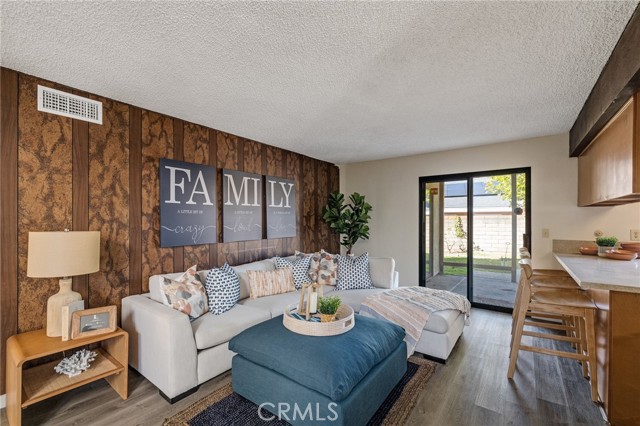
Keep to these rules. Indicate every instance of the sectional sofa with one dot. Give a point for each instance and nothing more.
(177, 355)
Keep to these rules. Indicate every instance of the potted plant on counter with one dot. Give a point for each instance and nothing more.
(328, 306)
(604, 244)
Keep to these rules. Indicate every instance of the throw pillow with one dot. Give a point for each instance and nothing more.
(185, 293)
(353, 273)
(323, 268)
(267, 283)
(223, 289)
(300, 268)
(300, 254)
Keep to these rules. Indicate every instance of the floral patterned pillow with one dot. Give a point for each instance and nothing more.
(300, 254)
(185, 294)
(323, 268)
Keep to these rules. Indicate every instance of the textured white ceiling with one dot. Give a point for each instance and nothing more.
(339, 81)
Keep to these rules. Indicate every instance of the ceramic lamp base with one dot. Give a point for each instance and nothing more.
(55, 304)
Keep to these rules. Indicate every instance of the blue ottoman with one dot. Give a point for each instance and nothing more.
(308, 380)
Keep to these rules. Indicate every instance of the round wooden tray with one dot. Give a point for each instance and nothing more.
(621, 254)
(343, 323)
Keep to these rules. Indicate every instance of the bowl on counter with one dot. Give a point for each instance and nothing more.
(631, 246)
(589, 251)
(621, 254)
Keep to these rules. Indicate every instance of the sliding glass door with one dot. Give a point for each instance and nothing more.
(471, 228)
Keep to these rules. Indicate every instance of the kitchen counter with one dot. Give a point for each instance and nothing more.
(614, 287)
(594, 272)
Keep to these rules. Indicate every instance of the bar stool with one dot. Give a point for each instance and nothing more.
(562, 303)
(545, 282)
(525, 254)
(540, 282)
(541, 278)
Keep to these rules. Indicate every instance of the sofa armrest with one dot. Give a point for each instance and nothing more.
(161, 344)
(382, 270)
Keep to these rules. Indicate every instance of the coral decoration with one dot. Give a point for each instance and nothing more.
(76, 363)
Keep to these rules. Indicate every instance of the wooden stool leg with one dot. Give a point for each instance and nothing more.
(591, 352)
(516, 340)
(581, 347)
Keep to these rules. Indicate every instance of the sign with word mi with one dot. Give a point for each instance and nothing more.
(281, 207)
(188, 214)
(241, 206)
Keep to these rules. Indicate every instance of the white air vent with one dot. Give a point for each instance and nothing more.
(68, 105)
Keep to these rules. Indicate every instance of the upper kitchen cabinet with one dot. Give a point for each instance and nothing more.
(609, 168)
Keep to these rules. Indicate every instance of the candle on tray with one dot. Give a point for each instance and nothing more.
(313, 306)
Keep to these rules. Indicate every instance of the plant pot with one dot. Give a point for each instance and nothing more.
(327, 317)
(602, 250)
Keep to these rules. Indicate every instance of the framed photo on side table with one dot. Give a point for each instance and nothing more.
(91, 322)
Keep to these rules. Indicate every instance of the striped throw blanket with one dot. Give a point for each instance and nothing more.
(410, 307)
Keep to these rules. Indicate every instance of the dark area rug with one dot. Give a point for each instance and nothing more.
(225, 407)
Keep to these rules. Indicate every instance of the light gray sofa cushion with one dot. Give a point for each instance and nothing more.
(273, 304)
(382, 271)
(210, 330)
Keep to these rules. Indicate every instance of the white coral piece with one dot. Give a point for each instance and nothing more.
(76, 363)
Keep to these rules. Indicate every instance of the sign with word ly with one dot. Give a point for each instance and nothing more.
(281, 207)
(188, 214)
(241, 206)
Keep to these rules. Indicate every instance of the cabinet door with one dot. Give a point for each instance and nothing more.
(606, 167)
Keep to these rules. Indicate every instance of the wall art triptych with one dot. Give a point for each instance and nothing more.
(188, 210)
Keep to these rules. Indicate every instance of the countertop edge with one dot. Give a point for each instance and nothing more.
(589, 284)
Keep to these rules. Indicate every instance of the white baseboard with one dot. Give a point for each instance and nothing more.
(3, 401)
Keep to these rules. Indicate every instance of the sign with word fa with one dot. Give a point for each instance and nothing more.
(281, 207)
(241, 206)
(188, 214)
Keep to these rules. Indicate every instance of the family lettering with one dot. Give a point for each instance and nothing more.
(199, 183)
(284, 199)
(242, 206)
(188, 208)
(244, 191)
(281, 211)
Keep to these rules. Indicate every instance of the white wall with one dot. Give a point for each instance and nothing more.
(391, 186)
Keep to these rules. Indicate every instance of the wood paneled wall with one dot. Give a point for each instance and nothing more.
(58, 173)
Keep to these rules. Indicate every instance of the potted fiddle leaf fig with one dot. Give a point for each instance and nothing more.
(351, 220)
(605, 243)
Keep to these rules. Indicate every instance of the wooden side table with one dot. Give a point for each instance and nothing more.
(31, 385)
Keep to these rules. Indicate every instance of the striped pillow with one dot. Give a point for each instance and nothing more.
(268, 283)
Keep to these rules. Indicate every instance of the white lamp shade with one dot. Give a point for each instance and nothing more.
(63, 254)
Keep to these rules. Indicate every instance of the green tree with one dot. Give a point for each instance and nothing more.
(501, 185)
(459, 229)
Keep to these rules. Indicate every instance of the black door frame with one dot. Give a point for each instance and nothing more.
(423, 180)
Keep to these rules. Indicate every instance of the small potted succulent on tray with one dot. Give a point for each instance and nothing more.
(604, 244)
(327, 307)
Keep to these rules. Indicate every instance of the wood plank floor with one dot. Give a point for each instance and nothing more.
(471, 389)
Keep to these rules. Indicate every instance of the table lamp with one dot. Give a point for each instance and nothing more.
(62, 254)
